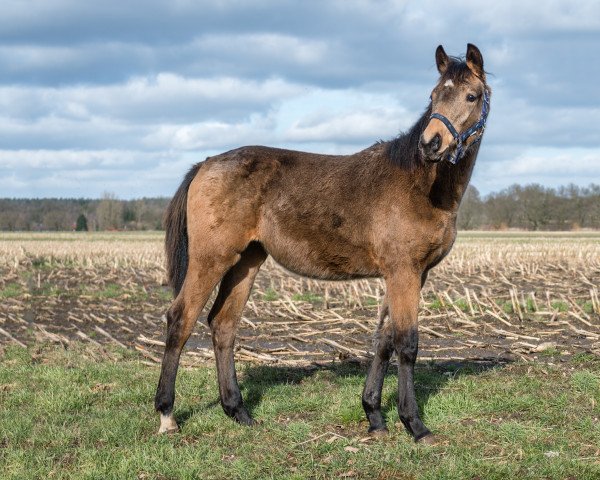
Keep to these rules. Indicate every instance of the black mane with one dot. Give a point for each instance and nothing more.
(404, 149)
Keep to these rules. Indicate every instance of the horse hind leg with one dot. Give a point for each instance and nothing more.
(371, 398)
(224, 318)
(181, 319)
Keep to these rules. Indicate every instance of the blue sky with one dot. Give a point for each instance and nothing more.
(124, 96)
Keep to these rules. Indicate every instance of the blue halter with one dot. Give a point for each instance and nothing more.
(461, 138)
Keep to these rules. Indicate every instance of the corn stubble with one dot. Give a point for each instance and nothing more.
(495, 297)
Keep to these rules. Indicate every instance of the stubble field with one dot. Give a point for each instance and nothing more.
(497, 297)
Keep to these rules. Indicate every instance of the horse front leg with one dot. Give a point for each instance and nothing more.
(402, 292)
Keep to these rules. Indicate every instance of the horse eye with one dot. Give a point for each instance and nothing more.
(471, 98)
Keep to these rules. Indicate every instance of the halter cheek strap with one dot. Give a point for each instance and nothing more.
(477, 128)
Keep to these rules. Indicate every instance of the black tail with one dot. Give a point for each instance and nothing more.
(176, 239)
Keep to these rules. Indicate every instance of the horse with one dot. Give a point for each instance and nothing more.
(388, 211)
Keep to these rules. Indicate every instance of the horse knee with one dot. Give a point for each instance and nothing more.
(407, 345)
(174, 314)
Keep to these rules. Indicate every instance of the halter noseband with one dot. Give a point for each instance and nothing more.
(461, 138)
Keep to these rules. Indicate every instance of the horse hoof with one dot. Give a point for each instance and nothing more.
(167, 425)
(244, 418)
(429, 439)
(168, 431)
(380, 432)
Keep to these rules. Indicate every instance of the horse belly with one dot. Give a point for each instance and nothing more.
(318, 255)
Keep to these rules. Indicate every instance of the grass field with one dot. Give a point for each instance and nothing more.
(508, 371)
(65, 415)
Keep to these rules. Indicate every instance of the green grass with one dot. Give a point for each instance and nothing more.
(270, 295)
(11, 290)
(164, 294)
(436, 304)
(560, 306)
(587, 306)
(370, 301)
(111, 290)
(307, 297)
(462, 304)
(63, 415)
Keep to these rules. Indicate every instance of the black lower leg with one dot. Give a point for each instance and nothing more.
(407, 345)
(165, 393)
(371, 398)
(229, 390)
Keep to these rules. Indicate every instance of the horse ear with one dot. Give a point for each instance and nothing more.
(475, 61)
(441, 59)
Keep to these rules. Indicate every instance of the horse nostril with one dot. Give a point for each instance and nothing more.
(435, 143)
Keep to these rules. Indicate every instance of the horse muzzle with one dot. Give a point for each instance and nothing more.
(431, 149)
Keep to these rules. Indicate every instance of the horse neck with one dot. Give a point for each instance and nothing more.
(443, 183)
(451, 181)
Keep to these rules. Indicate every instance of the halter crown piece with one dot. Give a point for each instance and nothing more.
(477, 128)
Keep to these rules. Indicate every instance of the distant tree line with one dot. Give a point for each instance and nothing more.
(530, 207)
(107, 213)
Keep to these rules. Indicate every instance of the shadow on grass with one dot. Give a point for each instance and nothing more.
(183, 414)
(430, 378)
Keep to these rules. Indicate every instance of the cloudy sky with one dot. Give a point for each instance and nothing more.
(123, 96)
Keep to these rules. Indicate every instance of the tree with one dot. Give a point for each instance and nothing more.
(81, 225)
(57, 220)
(140, 207)
(537, 205)
(503, 208)
(470, 213)
(593, 205)
(109, 212)
(9, 220)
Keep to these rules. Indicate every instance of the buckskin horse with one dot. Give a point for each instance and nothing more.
(387, 211)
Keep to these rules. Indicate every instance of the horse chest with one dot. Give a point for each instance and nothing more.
(439, 246)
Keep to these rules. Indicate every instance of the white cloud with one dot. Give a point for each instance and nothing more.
(143, 99)
(73, 159)
(304, 51)
(504, 18)
(368, 125)
(85, 173)
(213, 134)
(548, 162)
(497, 168)
(525, 16)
